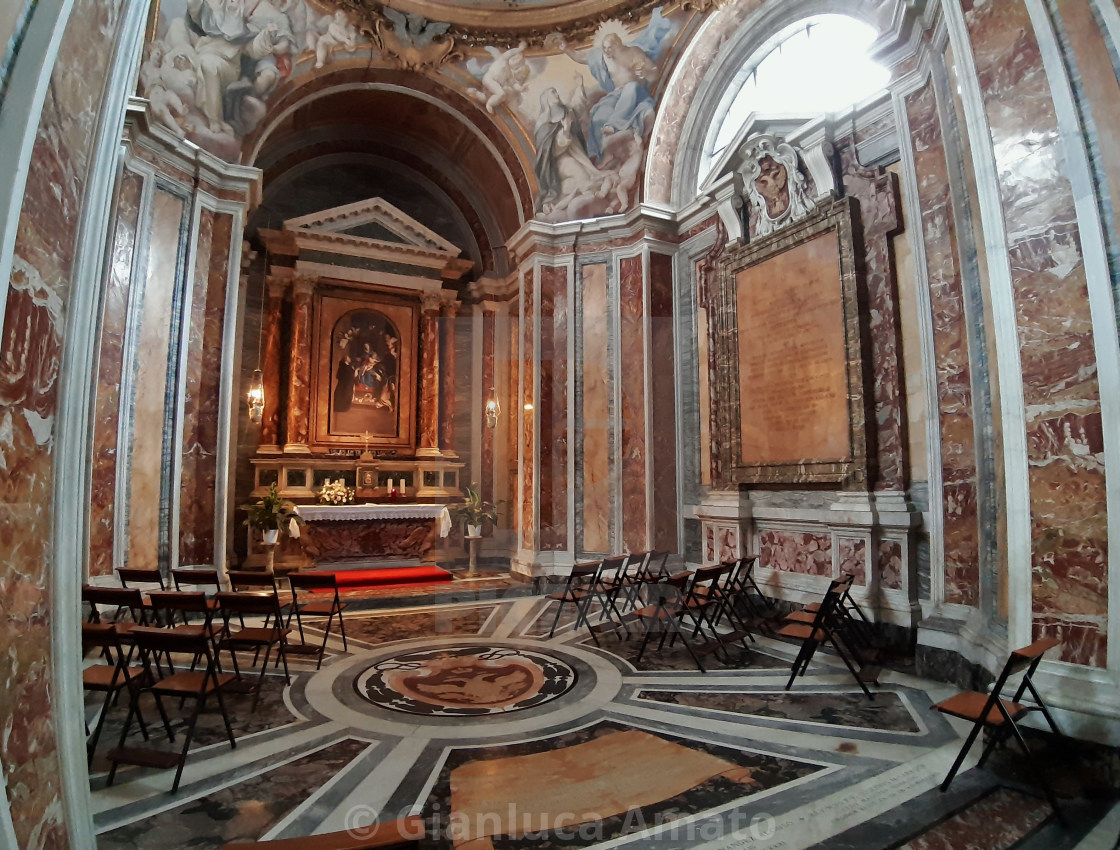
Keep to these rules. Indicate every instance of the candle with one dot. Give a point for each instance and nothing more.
(401, 487)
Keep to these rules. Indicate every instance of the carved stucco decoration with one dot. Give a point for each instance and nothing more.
(482, 23)
(774, 184)
(411, 42)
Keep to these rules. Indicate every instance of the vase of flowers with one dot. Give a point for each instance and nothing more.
(473, 511)
(270, 513)
(336, 493)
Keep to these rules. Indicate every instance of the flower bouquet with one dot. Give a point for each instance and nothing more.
(270, 513)
(336, 493)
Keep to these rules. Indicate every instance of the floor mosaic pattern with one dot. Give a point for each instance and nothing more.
(499, 737)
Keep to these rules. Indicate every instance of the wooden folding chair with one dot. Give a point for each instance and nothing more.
(206, 579)
(244, 581)
(254, 638)
(1000, 717)
(619, 576)
(150, 577)
(581, 588)
(195, 685)
(666, 614)
(110, 678)
(120, 601)
(827, 627)
(313, 587)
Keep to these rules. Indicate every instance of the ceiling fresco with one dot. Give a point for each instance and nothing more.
(574, 86)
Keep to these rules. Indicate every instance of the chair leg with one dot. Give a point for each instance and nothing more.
(342, 628)
(556, 619)
(960, 756)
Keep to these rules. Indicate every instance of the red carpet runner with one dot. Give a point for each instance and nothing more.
(389, 577)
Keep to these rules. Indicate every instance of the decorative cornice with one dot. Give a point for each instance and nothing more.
(359, 246)
(471, 26)
(373, 211)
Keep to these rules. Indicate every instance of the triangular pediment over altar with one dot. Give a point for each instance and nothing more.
(366, 226)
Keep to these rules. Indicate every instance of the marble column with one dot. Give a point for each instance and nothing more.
(299, 373)
(489, 391)
(448, 312)
(429, 376)
(270, 364)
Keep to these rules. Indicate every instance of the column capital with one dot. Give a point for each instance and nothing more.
(430, 301)
(450, 308)
(277, 286)
(304, 284)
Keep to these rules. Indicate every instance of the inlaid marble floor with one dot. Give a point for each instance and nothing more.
(469, 716)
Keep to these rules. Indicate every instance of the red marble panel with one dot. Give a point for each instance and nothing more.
(852, 556)
(950, 343)
(877, 191)
(203, 390)
(356, 539)
(663, 434)
(429, 377)
(528, 416)
(270, 364)
(890, 564)
(447, 378)
(1069, 570)
(796, 552)
(595, 414)
(106, 418)
(30, 350)
(632, 346)
(489, 390)
(553, 409)
(299, 375)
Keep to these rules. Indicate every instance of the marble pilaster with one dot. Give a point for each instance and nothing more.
(489, 391)
(528, 416)
(632, 378)
(106, 420)
(662, 486)
(594, 359)
(448, 312)
(299, 371)
(270, 364)
(552, 408)
(951, 352)
(202, 395)
(429, 376)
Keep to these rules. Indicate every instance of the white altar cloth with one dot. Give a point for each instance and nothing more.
(340, 513)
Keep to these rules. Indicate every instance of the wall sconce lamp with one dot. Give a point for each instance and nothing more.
(256, 397)
(493, 410)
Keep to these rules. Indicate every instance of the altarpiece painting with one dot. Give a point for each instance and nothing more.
(364, 374)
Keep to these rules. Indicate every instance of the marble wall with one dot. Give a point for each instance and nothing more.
(663, 406)
(37, 297)
(595, 371)
(1069, 569)
(632, 380)
(951, 352)
(202, 389)
(103, 477)
(553, 408)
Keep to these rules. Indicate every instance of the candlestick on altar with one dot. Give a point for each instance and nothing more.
(366, 453)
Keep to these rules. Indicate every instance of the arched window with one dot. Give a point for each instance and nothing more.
(818, 65)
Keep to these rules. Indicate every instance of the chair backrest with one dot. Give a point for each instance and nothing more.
(656, 566)
(585, 571)
(616, 566)
(313, 581)
(671, 590)
(246, 603)
(140, 575)
(193, 601)
(242, 579)
(114, 597)
(196, 577)
(190, 642)
(99, 636)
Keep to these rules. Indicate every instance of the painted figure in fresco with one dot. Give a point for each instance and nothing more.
(344, 385)
(334, 32)
(625, 72)
(569, 180)
(504, 80)
(776, 188)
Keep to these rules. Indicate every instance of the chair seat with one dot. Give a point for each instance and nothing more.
(102, 676)
(803, 632)
(191, 683)
(969, 705)
(321, 608)
(255, 636)
(803, 616)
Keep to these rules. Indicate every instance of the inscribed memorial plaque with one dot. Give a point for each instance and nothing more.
(793, 382)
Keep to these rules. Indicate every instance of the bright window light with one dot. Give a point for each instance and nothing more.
(820, 66)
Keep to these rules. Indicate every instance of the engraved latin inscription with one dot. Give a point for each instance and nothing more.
(792, 371)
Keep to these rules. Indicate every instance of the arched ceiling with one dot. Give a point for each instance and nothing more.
(431, 148)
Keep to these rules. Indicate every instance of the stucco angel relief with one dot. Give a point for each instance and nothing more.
(209, 74)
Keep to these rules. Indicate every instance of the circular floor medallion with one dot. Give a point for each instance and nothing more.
(465, 680)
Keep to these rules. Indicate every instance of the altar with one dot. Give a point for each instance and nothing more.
(342, 536)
